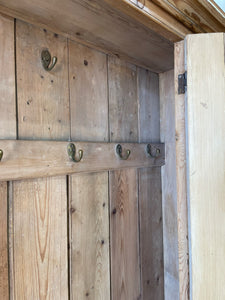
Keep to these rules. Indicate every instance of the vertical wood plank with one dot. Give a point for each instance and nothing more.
(206, 163)
(4, 284)
(124, 235)
(181, 170)
(123, 107)
(88, 91)
(123, 122)
(150, 195)
(90, 236)
(40, 238)
(43, 106)
(90, 269)
(7, 131)
(169, 195)
(40, 206)
(7, 79)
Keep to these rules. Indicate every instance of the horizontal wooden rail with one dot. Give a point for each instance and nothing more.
(32, 159)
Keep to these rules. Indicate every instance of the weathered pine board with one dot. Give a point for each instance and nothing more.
(124, 235)
(90, 236)
(123, 125)
(169, 196)
(43, 106)
(40, 238)
(7, 130)
(181, 171)
(150, 195)
(39, 207)
(4, 284)
(88, 92)
(89, 218)
(205, 125)
(33, 159)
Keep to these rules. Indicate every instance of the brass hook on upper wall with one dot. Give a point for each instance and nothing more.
(153, 151)
(119, 152)
(46, 60)
(1, 154)
(71, 150)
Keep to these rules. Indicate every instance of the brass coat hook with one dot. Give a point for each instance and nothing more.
(119, 152)
(153, 151)
(46, 60)
(71, 150)
(1, 154)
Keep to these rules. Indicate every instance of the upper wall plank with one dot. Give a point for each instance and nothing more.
(7, 130)
(150, 195)
(123, 107)
(7, 79)
(169, 196)
(205, 125)
(101, 25)
(88, 93)
(89, 219)
(43, 97)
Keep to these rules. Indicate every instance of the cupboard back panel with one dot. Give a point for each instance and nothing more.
(96, 236)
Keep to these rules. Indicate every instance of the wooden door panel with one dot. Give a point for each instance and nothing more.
(206, 163)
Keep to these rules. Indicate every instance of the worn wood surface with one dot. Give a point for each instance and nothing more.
(90, 236)
(30, 159)
(206, 163)
(43, 106)
(88, 93)
(124, 235)
(7, 130)
(7, 79)
(38, 208)
(181, 178)
(150, 196)
(89, 218)
(169, 195)
(99, 24)
(123, 118)
(4, 283)
(40, 239)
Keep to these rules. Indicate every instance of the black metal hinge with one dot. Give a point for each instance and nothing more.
(182, 83)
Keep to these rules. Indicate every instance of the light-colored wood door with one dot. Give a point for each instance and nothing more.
(205, 124)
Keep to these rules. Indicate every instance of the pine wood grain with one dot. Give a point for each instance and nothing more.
(123, 118)
(181, 178)
(88, 92)
(43, 97)
(90, 236)
(123, 107)
(4, 284)
(150, 195)
(105, 26)
(7, 79)
(206, 163)
(169, 196)
(40, 239)
(89, 224)
(39, 207)
(7, 130)
(124, 235)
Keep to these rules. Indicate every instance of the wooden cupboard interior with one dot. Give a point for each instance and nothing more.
(111, 232)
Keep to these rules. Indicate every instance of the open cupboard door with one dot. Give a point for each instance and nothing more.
(200, 120)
